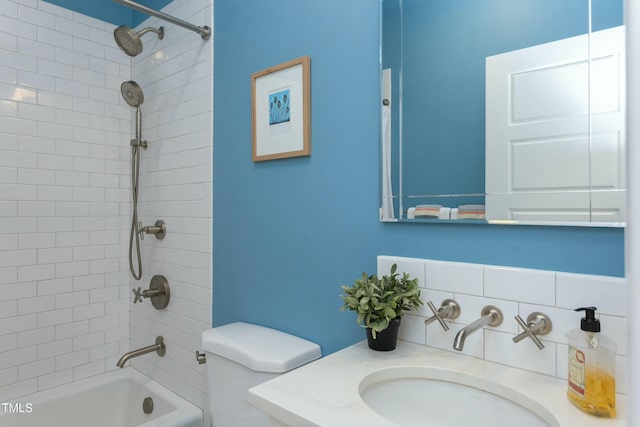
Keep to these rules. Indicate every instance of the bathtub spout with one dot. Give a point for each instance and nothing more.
(158, 347)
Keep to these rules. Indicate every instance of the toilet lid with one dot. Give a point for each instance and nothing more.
(258, 348)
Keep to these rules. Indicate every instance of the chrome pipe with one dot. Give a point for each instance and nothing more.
(205, 32)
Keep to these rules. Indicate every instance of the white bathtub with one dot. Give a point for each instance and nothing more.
(110, 400)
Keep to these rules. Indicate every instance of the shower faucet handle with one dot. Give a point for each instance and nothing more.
(141, 230)
(158, 292)
(159, 229)
(138, 295)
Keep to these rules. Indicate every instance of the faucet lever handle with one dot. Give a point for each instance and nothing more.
(537, 324)
(159, 229)
(449, 309)
(138, 295)
(437, 315)
(158, 292)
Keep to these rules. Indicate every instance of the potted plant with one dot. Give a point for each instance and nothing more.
(380, 304)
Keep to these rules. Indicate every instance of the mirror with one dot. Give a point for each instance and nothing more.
(503, 111)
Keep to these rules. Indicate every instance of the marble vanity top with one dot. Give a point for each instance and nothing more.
(326, 392)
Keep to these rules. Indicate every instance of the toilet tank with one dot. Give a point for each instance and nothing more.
(241, 355)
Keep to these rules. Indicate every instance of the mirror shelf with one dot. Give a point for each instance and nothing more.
(454, 223)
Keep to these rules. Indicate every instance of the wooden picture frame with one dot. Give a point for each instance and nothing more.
(281, 110)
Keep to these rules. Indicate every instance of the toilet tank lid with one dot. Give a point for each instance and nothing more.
(258, 348)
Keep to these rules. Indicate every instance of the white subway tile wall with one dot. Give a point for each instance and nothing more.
(176, 76)
(516, 291)
(65, 298)
(63, 285)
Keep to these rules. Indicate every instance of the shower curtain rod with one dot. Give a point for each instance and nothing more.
(205, 32)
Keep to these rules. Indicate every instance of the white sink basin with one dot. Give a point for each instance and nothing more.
(420, 396)
(344, 388)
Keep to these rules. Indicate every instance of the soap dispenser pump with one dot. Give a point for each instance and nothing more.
(591, 373)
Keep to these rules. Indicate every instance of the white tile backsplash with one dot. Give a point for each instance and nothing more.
(533, 286)
(52, 168)
(499, 347)
(454, 277)
(515, 291)
(580, 290)
(413, 329)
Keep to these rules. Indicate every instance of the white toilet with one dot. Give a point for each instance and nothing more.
(241, 355)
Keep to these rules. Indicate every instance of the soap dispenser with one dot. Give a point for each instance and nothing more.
(591, 374)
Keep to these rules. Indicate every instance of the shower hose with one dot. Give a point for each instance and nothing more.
(135, 176)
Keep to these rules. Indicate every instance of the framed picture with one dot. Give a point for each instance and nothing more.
(281, 110)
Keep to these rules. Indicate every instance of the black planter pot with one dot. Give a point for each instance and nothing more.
(385, 340)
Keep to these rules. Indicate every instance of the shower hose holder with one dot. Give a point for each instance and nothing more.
(136, 142)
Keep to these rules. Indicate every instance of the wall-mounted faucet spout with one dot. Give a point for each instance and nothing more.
(491, 316)
(158, 347)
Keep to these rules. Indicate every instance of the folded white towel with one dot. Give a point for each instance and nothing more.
(471, 212)
(427, 211)
(445, 213)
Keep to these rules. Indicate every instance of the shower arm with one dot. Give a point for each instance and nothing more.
(205, 32)
(159, 32)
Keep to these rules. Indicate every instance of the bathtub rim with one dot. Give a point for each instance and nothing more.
(185, 411)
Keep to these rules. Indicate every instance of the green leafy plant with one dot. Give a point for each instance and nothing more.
(380, 300)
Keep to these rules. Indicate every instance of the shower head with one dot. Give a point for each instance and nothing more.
(132, 93)
(129, 41)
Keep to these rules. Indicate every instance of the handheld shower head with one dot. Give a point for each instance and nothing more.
(132, 93)
(130, 41)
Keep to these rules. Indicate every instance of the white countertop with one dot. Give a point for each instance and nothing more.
(326, 392)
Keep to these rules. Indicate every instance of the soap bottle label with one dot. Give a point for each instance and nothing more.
(576, 371)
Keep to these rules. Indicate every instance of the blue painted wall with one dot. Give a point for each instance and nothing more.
(288, 233)
(109, 11)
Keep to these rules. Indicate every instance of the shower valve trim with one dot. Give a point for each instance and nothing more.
(159, 229)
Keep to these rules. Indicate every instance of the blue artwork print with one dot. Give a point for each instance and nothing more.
(279, 111)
